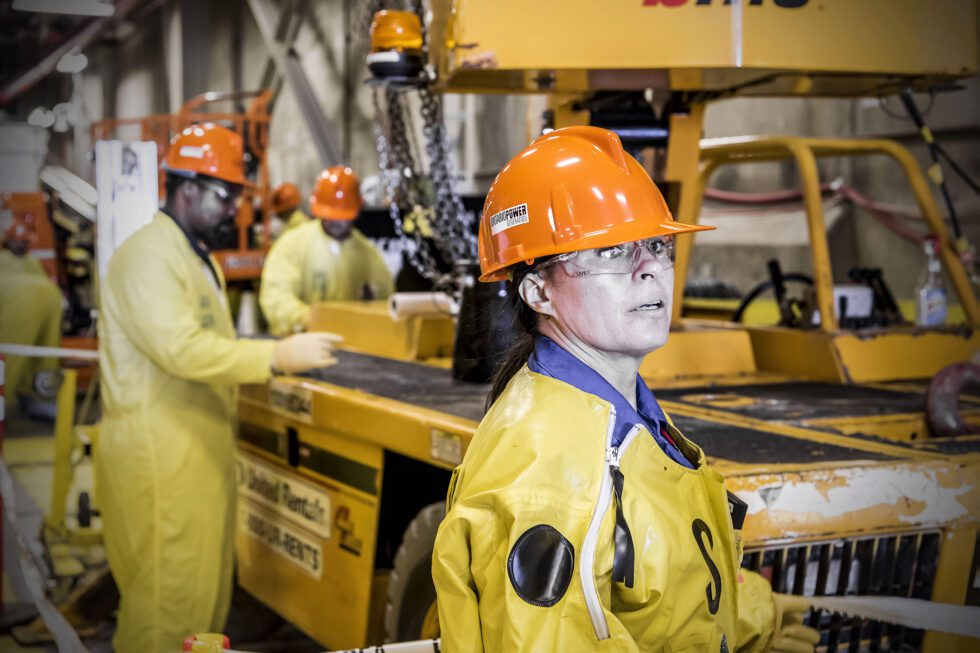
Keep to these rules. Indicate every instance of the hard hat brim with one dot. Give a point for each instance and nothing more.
(325, 212)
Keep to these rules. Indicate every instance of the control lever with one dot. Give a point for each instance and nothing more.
(787, 316)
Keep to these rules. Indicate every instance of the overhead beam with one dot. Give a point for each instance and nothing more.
(287, 29)
(79, 39)
(322, 130)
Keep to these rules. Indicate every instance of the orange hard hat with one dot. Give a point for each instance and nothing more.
(569, 190)
(208, 149)
(396, 30)
(285, 196)
(337, 194)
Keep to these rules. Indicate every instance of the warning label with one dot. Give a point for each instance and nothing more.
(512, 217)
(292, 400)
(301, 550)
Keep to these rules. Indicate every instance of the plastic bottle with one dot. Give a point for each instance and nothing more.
(931, 304)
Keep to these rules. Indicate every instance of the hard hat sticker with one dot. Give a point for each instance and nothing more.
(512, 217)
(192, 151)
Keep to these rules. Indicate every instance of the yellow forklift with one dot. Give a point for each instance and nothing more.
(819, 425)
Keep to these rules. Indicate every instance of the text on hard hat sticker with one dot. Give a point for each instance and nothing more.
(512, 217)
(192, 151)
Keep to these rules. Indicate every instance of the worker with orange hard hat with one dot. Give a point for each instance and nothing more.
(325, 259)
(285, 205)
(581, 518)
(170, 365)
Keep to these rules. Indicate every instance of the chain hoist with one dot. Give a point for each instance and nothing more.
(425, 205)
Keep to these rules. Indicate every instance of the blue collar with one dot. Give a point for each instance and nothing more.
(551, 360)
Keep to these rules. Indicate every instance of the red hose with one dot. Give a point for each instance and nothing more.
(884, 216)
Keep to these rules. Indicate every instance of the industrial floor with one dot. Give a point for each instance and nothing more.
(28, 450)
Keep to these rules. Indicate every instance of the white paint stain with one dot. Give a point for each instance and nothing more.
(849, 490)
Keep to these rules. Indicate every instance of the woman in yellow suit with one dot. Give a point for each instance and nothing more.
(325, 259)
(581, 519)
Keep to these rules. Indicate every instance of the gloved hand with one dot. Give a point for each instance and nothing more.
(790, 635)
(304, 351)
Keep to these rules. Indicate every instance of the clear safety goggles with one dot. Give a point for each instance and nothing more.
(618, 259)
(225, 194)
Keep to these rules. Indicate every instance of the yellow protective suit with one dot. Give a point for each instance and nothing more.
(540, 465)
(306, 265)
(296, 219)
(165, 462)
(30, 314)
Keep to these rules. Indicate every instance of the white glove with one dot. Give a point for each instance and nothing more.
(791, 635)
(304, 351)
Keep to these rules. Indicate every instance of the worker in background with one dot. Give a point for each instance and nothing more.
(170, 364)
(31, 308)
(581, 518)
(285, 206)
(322, 260)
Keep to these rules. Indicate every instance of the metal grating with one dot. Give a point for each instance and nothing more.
(891, 565)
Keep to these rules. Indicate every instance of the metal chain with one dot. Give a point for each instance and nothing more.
(390, 161)
(454, 224)
(406, 185)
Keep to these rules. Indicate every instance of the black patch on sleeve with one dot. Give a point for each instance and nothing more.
(540, 565)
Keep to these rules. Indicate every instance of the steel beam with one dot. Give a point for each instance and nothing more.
(79, 39)
(287, 61)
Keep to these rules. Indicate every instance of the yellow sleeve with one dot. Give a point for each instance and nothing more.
(381, 277)
(459, 614)
(756, 613)
(34, 266)
(296, 219)
(488, 562)
(282, 283)
(146, 291)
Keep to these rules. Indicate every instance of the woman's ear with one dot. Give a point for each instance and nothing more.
(534, 290)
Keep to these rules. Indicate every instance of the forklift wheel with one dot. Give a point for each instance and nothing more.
(410, 613)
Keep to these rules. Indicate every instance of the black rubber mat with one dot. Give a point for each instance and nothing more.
(792, 402)
(411, 383)
(434, 388)
(748, 446)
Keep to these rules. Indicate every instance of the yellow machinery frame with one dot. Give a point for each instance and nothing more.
(316, 431)
(828, 353)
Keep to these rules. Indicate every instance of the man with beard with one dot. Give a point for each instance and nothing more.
(170, 366)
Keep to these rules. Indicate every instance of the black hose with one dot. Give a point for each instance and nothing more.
(909, 101)
(762, 287)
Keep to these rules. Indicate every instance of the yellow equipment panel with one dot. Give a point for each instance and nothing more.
(307, 522)
(754, 46)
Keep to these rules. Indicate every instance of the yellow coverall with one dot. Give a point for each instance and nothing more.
(30, 314)
(296, 219)
(165, 462)
(306, 265)
(524, 559)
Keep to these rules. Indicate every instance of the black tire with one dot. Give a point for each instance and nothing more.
(250, 621)
(411, 592)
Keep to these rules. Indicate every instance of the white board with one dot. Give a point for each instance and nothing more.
(127, 182)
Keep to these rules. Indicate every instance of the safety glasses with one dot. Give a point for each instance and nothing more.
(226, 194)
(617, 259)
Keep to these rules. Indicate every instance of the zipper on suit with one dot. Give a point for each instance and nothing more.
(613, 456)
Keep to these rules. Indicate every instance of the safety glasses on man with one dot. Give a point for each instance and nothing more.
(226, 193)
(618, 259)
